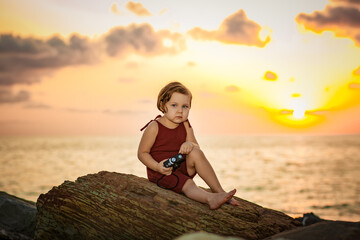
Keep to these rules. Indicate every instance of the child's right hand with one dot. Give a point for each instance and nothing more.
(163, 170)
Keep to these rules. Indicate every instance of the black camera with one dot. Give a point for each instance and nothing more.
(174, 161)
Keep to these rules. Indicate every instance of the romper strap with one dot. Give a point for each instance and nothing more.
(150, 122)
(188, 122)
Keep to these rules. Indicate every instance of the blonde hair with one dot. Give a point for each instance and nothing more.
(167, 91)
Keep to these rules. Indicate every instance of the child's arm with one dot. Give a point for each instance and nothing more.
(191, 142)
(147, 141)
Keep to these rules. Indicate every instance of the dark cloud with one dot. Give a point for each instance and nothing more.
(235, 29)
(342, 19)
(7, 96)
(25, 60)
(138, 9)
(142, 39)
(355, 2)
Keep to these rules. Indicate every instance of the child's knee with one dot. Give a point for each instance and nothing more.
(196, 152)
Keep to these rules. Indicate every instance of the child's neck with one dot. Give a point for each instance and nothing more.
(167, 123)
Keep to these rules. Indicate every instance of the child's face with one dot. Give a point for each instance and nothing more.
(177, 108)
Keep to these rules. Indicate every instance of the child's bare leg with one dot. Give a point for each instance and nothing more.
(196, 162)
(214, 200)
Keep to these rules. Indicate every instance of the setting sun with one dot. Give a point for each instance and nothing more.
(299, 113)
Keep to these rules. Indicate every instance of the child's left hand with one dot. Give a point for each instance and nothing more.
(186, 148)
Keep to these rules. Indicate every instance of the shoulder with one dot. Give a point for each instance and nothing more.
(152, 128)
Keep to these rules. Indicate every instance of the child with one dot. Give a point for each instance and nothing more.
(167, 135)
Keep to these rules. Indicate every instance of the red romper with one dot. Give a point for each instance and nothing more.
(167, 144)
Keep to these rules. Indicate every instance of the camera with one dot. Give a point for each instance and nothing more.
(174, 161)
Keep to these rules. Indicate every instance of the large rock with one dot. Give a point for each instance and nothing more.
(119, 206)
(17, 217)
(329, 230)
(205, 236)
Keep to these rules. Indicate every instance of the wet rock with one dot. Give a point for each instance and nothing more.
(17, 217)
(119, 206)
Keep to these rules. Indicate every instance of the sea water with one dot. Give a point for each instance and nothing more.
(292, 174)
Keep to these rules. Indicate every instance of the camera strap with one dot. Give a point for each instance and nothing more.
(157, 182)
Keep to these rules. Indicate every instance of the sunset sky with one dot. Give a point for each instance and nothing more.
(95, 67)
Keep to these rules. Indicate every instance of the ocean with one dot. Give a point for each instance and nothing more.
(292, 174)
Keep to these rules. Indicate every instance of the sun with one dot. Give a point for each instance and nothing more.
(299, 109)
(299, 113)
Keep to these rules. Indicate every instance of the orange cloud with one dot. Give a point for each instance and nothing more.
(271, 76)
(342, 17)
(142, 39)
(138, 9)
(354, 85)
(286, 111)
(191, 64)
(235, 29)
(232, 88)
(115, 9)
(356, 72)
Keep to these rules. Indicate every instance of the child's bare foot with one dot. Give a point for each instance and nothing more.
(219, 199)
(233, 202)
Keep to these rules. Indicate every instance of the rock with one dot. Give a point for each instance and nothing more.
(309, 219)
(205, 236)
(17, 217)
(119, 206)
(329, 230)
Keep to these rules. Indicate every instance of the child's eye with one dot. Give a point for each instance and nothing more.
(185, 106)
(173, 105)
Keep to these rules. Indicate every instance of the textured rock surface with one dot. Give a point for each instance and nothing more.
(119, 206)
(205, 236)
(329, 230)
(17, 217)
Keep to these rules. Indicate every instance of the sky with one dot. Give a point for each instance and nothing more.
(254, 67)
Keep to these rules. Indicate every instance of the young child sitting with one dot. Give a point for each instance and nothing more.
(170, 134)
